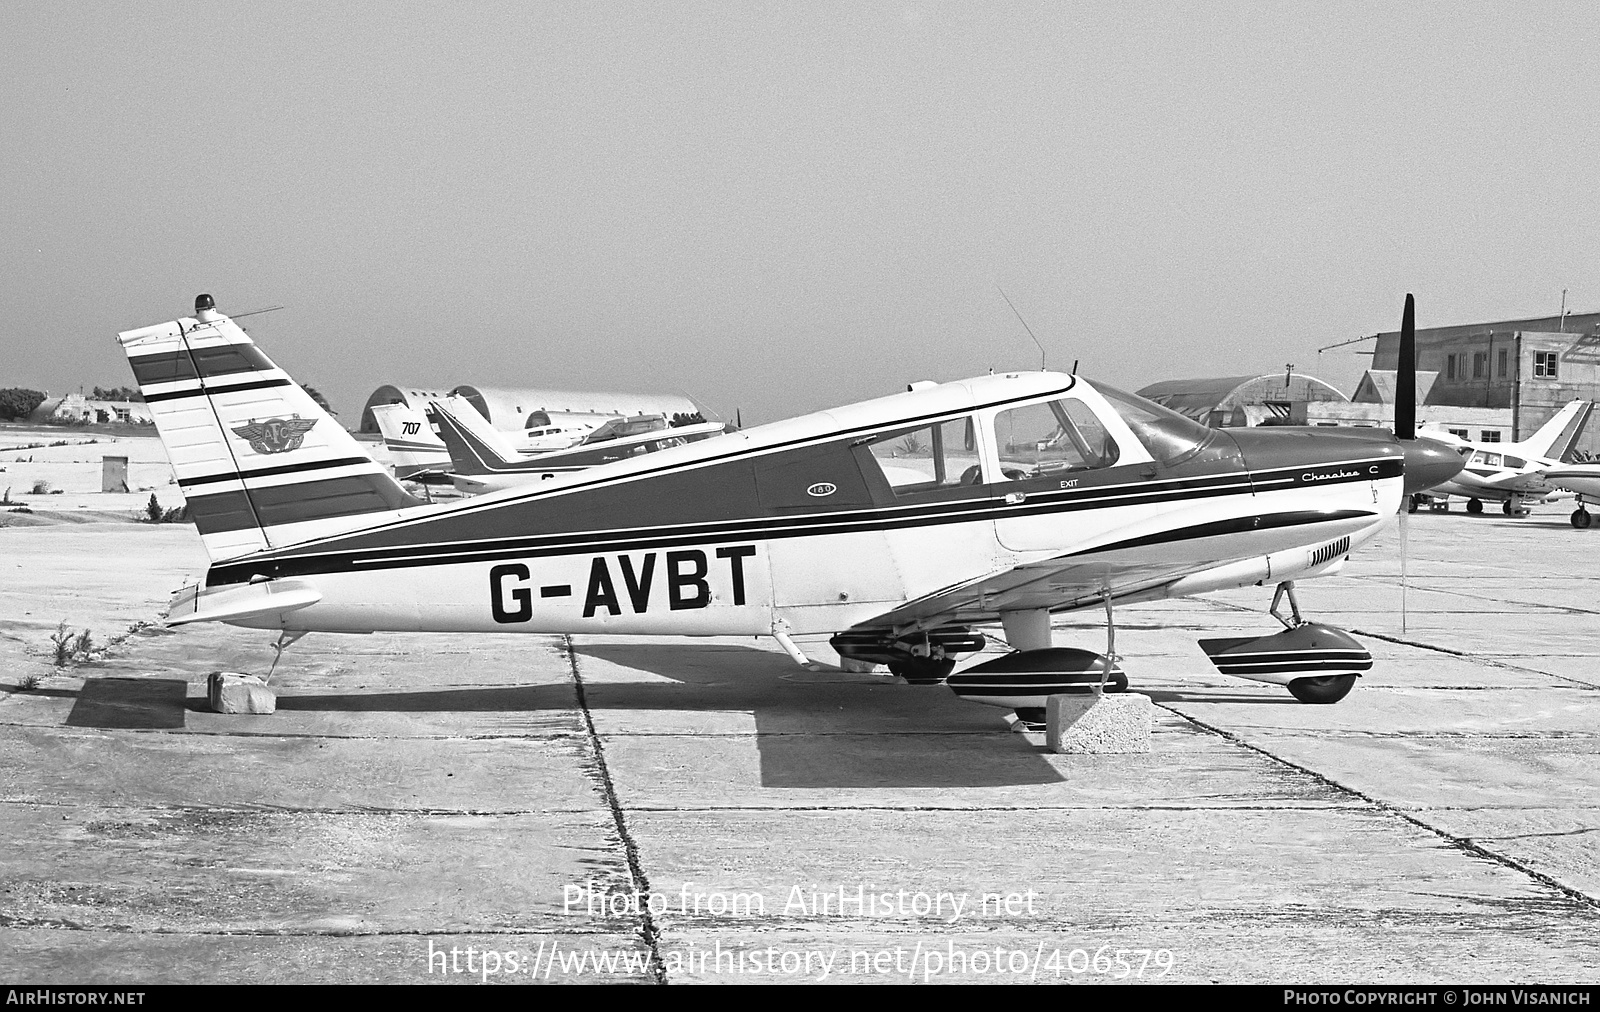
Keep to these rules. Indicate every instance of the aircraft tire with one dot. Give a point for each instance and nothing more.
(1505, 507)
(922, 671)
(1581, 518)
(1322, 688)
(1474, 506)
(1413, 504)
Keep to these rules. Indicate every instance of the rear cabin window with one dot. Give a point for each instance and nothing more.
(930, 458)
(1050, 438)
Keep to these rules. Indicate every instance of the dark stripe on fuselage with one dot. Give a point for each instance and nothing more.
(865, 519)
(233, 388)
(263, 472)
(850, 521)
(603, 542)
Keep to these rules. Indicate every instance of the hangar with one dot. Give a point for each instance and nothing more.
(517, 408)
(1224, 401)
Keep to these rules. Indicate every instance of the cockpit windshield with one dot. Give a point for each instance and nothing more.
(1169, 436)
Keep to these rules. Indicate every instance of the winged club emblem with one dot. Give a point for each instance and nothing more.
(275, 435)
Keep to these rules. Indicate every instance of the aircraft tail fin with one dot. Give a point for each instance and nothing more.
(413, 447)
(475, 446)
(260, 463)
(1557, 438)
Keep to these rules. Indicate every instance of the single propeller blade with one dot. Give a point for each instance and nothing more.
(1405, 381)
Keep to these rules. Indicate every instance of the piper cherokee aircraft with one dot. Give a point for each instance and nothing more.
(414, 446)
(897, 525)
(482, 460)
(1513, 473)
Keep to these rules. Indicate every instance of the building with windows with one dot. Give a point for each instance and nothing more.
(1527, 368)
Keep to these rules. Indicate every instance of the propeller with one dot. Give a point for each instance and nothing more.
(1405, 427)
(1405, 381)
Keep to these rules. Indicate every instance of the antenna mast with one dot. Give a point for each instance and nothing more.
(1025, 326)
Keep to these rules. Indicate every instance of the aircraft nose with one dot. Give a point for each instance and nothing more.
(1429, 464)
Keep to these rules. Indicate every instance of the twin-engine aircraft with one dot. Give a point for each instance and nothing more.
(1512, 473)
(897, 525)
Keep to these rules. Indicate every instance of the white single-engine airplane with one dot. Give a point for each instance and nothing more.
(1513, 473)
(897, 524)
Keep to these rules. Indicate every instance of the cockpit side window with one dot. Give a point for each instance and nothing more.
(929, 458)
(1056, 436)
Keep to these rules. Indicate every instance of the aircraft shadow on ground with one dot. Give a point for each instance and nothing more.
(894, 735)
(130, 704)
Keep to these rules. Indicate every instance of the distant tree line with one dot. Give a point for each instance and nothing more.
(17, 403)
(116, 394)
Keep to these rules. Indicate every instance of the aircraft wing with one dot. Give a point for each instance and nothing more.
(1061, 584)
(1523, 481)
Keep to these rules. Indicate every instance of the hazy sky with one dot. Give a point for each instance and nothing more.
(780, 207)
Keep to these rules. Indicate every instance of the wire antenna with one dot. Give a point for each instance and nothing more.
(1024, 323)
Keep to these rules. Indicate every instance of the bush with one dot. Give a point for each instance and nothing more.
(17, 403)
(41, 487)
(70, 647)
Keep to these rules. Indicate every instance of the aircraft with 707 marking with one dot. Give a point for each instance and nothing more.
(897, 526)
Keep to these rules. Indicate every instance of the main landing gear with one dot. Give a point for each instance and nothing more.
(1317, 663)
(1026, 678)
(1581, 518)
(1474, 506)
(924, 658)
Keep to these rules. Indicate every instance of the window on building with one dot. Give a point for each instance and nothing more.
(1480, 364)
(1460, 433)
(1449, 367)
(1502, 363)
(1489, 436)
(1544, 365)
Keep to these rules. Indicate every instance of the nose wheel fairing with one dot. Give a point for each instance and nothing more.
(1314, 660)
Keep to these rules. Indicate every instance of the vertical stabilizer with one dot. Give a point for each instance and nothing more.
(1556, 438)
(475, 446)
(261, 464)
(411, 443)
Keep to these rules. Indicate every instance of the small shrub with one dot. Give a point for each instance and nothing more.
(41, 487)
(69, 647)
(19, 509)
(176, 515)
(152, 509)
(61, 639)
(28, 683)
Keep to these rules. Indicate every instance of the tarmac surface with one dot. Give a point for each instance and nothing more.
(425, 808)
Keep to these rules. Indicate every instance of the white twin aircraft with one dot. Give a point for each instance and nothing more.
(896, 526)
(1512, 473)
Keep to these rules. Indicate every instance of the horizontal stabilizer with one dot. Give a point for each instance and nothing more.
(264, 600)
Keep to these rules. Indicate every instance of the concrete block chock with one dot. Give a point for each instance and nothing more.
(1116, 723)
(230, 692)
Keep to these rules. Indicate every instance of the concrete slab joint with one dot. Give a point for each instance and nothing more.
(1115, 723)
(231, 692)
